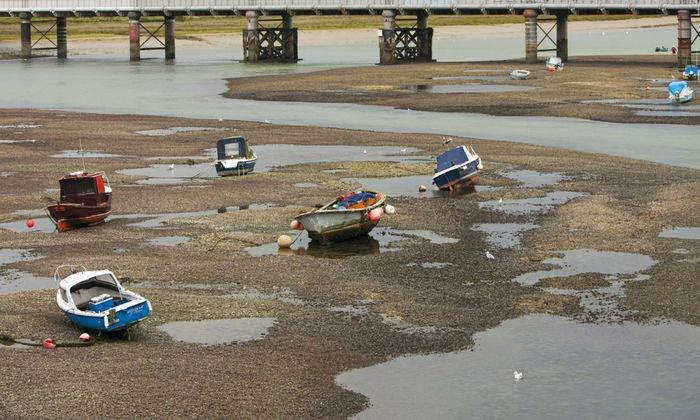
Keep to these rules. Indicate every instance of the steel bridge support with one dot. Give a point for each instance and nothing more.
(560, 44)
(403, 44)
(135, 44)
(60, 44)
(687, 35)
(278, 44)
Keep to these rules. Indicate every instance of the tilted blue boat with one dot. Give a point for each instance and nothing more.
(679, 92)
(95, 301)
(691, 72)
(234, 157)
(460, 165)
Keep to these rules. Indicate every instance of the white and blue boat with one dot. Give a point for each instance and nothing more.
(95, 301)
(460, 165)
(679, 92)
(691, 72)
(234, 157)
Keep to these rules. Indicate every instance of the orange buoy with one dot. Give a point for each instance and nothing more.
(296, 225)
(376, 214)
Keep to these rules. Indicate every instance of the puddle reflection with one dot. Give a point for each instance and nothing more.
(504, 235)
(681, 233)
(531, 205)
(219, 331)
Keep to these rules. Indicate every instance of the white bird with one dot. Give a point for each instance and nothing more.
(267, 122)
(408, 110)
(172, 166)
(364, 151)
(517, 375)
(221, 119)
(500, 201)
(490, 256)
(403, 150)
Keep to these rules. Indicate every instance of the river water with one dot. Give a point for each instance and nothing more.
(192, 86)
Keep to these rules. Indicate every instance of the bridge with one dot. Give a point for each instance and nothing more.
(398, 42)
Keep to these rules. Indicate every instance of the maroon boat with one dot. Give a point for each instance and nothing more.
(86, 200)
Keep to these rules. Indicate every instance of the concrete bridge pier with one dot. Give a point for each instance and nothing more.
(134, 36)
(169, 37)
(684, 40)
(270, 44)
(25, 29)
(251, 46)
(562, 35)
(530, 16)
(61, 37)
(397, 44)
(289, 38)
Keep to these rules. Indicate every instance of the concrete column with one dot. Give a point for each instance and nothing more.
(684, 40)
(530, 36)
(250, 37)
(134, 36)
(562, 35)
(289, 35)
(170, 37)
(424, 36)
(387, 42)
(61, 37)
(25, 30)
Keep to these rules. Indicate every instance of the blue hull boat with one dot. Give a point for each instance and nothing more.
(691, 72)
(460, 165)
(234, 157)
(95, 301)
(679, 92)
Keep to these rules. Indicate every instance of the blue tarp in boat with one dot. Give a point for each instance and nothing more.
(451, 158)
(676, 87)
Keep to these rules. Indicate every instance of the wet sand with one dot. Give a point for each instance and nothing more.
(410, 306)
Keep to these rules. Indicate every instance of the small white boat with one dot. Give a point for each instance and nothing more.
(679, 92)
(94, 300)
(554, 63)
(234, 157)
(350, 215)
(519, 74)
(460, 165)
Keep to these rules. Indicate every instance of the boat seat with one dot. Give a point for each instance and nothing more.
(82, 297)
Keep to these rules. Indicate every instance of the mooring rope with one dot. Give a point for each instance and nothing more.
(7, 338)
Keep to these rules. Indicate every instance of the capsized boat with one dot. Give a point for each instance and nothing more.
(234, 157)
(691, 72)
(519, 74)
(96, 301)
(460, 165)
(679, 92)
(350, 215)
(85, 200)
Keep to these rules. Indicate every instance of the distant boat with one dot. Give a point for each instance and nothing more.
(519, 74)
(661, 49)
(234, 157)
(95, 301)
(554, 63)
(691, 72)
(349, 216)
(460, 165)
(85, 200)
(679, 92)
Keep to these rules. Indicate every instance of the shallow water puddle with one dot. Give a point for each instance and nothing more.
(504, 235)
(305, 185)
(168, 240)
(41, 224)
(435, 265)
(174, 130)
(159, 174)
(531, 205)
(84, 154)
(4, 344)
(655, 107)
(351, 311)
(20, 126)
(219, 331)
(580, 261)
(674, 113)
(570, 370)
(533, 179)
(157, 220)
(378, 241)
(13, 281)
(17, 141)
(681, 233)
(5, 173)
(466, 88)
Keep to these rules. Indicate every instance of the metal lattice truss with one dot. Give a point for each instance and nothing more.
(158, 44)
(410, 43)
(46, 42)
(274, 44)
(546, 37)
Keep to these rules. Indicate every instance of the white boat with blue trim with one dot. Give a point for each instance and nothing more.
(679, 92)
(460, 165)
(234, 157)
(96, 301)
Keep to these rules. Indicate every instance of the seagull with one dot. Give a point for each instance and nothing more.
(490, 256)
(364, 151)
(447, 141)
(500, 201)
(172, 166)
(267, 122)
(403, 150)
(517, 375)
(221, 119)
(408, 110)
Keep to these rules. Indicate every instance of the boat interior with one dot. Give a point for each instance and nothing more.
(84, 292)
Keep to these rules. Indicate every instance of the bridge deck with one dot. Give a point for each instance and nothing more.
(323, 7)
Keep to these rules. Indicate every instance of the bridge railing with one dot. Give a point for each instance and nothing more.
(241, 4)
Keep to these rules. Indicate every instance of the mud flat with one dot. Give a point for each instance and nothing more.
(330, 314)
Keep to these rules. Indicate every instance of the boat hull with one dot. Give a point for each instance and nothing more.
(325, 225)
(68, 216)
(121, 318)
(466, 175)
(235, 167)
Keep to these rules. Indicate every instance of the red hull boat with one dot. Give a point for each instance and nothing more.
(86, 200)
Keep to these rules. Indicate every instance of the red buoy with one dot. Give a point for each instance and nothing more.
(30, 223)
(48, 343)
